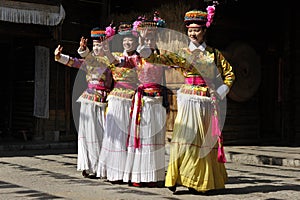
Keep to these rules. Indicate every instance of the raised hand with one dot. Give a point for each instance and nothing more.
(106, 50)
(83, 43)
(144, 32)
(105, 46)
(57, 52)
(142, 36)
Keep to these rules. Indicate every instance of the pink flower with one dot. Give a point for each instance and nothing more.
(136, 25)
(210, 15)
(156, 19)
(141, 18)
(109, 31)
(210, 9)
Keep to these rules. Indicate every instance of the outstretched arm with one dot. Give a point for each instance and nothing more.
(66, 59)
(167, 58)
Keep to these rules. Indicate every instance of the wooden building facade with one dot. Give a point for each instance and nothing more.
(36, 95)
(261, 43)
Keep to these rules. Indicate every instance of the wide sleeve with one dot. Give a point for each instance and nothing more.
(225, 69)
(167, 58)
(70, 61)
(83, 53)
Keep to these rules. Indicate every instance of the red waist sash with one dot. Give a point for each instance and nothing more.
(99, 86)
(127, 85)
(197, 80)
(140, 92)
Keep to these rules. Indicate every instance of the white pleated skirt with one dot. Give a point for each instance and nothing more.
(114, 150)
(147, 163)
(90, 135)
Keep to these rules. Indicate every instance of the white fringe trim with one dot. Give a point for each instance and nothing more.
(83, 100)
(31, 13)
(182, 97)
(116, 97)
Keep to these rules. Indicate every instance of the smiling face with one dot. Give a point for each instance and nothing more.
(97, 45)
(129, 44)
(196, 34)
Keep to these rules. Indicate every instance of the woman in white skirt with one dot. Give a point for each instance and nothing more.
(145, 164)
(114, 149)
(93, 101)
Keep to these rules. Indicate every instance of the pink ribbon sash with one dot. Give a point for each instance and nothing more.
(216, 132)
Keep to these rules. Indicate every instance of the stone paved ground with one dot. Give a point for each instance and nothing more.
(51, 174)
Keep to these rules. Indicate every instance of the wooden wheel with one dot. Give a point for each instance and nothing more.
(247, 69)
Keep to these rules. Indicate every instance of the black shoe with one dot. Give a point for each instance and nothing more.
(172, 188)
(92, 176)
(85, 174)
(117, 182)
(193, 191)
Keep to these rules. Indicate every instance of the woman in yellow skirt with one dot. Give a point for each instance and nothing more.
(196, 153)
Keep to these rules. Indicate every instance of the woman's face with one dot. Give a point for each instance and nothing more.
(97, 45)
(129, 44)
(196, 35)
(150, 40)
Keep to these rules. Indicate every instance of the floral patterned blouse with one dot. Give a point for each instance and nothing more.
(98, 77)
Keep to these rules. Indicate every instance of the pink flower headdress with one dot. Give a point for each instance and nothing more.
(210, 13)
(110, 31)
(138, 22)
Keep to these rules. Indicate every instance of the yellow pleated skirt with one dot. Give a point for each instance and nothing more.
(193, 159)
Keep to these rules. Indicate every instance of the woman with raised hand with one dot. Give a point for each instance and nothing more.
(114, 149)
(145, 164)
(93, 101)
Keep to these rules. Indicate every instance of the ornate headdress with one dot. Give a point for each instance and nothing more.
(198, 18)
(153, 24)
(126, 29)
(98, 34)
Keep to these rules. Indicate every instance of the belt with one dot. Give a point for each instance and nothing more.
(140, 91)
